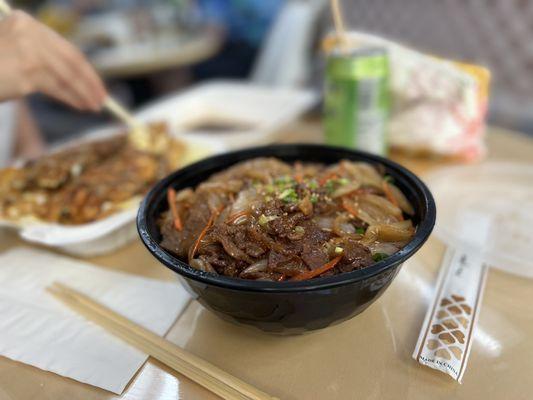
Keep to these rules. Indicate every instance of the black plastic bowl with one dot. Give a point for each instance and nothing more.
(287, 307)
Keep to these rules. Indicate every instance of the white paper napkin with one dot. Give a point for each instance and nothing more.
(38, 330)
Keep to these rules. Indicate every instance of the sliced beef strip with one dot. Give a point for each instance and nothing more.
(313, 252)
(355, 256)
(291, 265)
(222, 262)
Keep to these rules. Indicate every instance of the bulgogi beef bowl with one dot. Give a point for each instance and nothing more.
(288, 238)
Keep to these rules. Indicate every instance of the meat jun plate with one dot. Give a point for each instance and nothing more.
(89, 181)
(265, 219)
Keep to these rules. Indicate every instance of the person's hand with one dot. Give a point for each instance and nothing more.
(36, 59)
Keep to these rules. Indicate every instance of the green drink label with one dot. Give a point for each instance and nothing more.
(356, 106)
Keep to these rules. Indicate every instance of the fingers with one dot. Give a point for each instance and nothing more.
(65, 74)
(49, 85)
(38, 59)
(85, 83)
(63, 77)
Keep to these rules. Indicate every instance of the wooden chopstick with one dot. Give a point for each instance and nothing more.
(209, 376)
(119, 111)
(337, 18)
(338, 21)
(136, 127)
(5, 8)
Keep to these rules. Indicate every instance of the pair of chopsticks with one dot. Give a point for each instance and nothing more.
(200, 371)
(136, 127)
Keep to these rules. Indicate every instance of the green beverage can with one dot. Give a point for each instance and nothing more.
(357, 100)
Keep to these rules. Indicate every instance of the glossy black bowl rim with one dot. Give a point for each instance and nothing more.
(423, 231)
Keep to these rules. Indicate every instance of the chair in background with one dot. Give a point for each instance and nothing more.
(285, 58)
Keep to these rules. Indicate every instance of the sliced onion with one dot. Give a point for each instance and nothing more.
(382, 203)
(259, 174)
(325, 223)
(184, 194)
(244, 201)
(384, 248)
(370, 236)
(403, 203)
(346, 189)
(364, 173)
(342, 226)
(214, 202)
(202, 265)
(407, 224)
(391, 233)
(368, 175)
(241, 220)
(259, 266)
(211, 186)
(224, 187)
(375, 210)
(365, 216)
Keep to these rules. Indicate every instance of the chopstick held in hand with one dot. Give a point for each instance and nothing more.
(42, 61)
(57, 60)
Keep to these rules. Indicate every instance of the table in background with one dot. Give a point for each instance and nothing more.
(156, 54)
(368, 357)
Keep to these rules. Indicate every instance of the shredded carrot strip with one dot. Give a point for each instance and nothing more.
(298, 176)
(209, 224)
(234, 217)
(332, 175)
(388, 193)
(317, 271)
(171, 198)
(348, 207)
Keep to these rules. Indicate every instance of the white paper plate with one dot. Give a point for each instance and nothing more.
(110, 233)
(504, 191)
(264, 109)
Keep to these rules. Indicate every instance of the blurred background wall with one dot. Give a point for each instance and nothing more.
(494, 33)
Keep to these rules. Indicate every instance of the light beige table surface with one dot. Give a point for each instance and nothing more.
(368, 357)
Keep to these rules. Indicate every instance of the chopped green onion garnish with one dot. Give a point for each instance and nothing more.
(343, 181)
(288, 196)
(379, 256)
(338, 250)
(283, 180)
(360, 231)
(263, 219)
(299, 229)
(314, 198)
(330, 185)
(313, 185)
